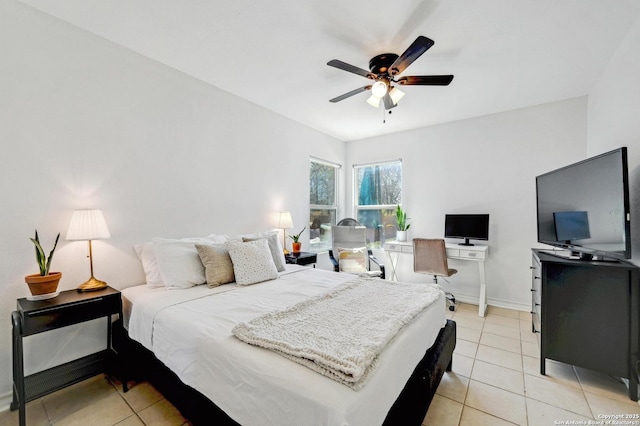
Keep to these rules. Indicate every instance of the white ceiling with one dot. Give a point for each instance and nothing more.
(505, 54)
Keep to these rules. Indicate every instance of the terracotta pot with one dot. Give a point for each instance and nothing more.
(295, 247)
(39, 284)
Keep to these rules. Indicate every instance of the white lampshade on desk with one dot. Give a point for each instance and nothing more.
(284, 223)
(87, 225)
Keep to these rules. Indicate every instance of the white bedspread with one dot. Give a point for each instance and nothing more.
(190, 332)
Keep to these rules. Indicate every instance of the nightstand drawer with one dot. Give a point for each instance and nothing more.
(301, 258)
(67, 309)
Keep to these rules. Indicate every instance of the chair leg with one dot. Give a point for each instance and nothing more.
(451, 299)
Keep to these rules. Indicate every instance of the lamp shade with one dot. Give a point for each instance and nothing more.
(374, 101)
(284, 220)
(396, 94)
(88, 225)
(379, 89)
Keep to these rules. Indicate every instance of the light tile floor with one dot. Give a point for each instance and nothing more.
(495, 381)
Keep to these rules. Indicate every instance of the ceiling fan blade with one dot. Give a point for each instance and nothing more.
(350, 68)
(349, 94)
(425, 80)
(388, 102)
(417, 48)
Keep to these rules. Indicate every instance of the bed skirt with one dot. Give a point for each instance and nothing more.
(410, 407)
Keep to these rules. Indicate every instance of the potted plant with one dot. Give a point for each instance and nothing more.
(44, 284)
(403, 226)
(296, 245)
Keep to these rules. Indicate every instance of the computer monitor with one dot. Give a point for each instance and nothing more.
(467, 227)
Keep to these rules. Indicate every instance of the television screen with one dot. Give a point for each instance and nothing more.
(571, 226)
(584, 207)
(467, 226)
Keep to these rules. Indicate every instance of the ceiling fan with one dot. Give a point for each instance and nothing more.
(384, 69)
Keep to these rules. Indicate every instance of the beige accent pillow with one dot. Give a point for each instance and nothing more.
(353, 260)
(218, 268)
(252, 261)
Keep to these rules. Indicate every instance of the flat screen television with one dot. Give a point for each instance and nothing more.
(584, 207)
(467, 227)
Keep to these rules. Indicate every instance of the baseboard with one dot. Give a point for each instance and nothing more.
(5, 401)
(498, 303)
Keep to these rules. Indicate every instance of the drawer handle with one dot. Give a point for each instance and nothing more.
(57, 308)
(533, 289)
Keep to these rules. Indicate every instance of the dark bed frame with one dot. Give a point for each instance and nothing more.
(410, 407)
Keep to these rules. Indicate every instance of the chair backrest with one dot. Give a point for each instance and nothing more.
(347, 221)
(349, 247)
(430, 256)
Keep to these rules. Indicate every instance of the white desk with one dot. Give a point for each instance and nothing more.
(476, 253)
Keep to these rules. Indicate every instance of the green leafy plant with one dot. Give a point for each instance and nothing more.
(401, 217)
(296, 237)
(44, 263)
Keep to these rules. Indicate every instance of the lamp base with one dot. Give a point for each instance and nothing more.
(286, 251)
(92, 284)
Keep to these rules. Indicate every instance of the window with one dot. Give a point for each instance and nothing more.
(323, 194)
(377, 192)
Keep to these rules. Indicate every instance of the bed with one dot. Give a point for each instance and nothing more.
(182, 342)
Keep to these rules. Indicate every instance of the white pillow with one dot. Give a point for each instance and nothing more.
(277, 253)
(147, 255)
(178, 260)
(252, 261)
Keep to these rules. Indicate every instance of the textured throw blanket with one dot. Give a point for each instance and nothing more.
(341, 333)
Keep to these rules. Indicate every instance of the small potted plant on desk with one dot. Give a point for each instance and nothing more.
(403, 226)
(43, 285)
(296, 245)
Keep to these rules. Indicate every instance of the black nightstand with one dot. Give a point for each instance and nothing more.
(33, 317)
(302, 258)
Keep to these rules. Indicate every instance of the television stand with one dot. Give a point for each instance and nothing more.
(587, 314)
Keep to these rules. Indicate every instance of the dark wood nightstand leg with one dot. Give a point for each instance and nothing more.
(18, 370)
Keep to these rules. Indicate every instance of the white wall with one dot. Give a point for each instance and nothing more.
(85, 123)
(482, 165)
(614, 105)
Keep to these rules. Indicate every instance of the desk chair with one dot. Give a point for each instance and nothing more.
(349, 252)
(430, 257)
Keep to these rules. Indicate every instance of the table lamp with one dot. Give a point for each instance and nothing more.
(284, 223)
(87, 225)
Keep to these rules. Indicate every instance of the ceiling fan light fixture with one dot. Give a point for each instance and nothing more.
(379, 89)
(374, 101)
(396, 94)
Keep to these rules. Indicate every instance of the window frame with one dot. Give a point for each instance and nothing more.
(356, 191)
(332, 209)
